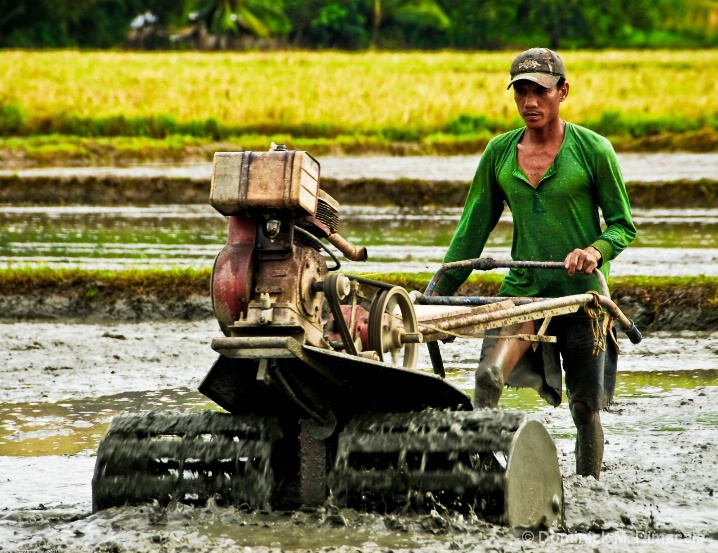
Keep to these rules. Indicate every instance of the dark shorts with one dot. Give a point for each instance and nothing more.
(590, 379)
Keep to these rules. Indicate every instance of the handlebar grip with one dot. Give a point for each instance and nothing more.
(633, 334)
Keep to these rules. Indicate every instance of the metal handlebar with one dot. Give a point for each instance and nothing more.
(634, 335)
(487, 264)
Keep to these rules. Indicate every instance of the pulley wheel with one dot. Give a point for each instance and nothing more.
(391, 319)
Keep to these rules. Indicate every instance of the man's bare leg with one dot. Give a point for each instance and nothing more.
(589, 439)
(498, 359)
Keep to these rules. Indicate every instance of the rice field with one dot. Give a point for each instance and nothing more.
(398, 96)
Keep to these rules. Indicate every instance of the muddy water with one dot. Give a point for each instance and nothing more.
(63, 383)
(671, 242)
(645, 167)
(676, 242)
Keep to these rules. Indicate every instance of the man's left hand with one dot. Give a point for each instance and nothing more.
(582, 261)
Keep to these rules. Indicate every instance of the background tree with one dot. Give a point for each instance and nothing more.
(301, 13)
(407, 15)
(82, 23)
(340, 24)
(485, 24)
(42, 22)
(358, 24)
(234, 18)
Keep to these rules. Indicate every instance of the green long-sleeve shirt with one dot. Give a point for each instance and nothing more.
(551, 220)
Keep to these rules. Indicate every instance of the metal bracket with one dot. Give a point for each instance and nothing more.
(542, 330)
(312, 465)
(263, 371)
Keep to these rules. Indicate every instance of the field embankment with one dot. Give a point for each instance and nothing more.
(137, 295)
(113, 107)
(114, 191)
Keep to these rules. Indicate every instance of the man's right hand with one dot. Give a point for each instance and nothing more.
(584, 261)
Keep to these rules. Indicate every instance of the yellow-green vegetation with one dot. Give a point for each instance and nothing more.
(375, 98)
(701, 291)
(100, 285)
(486, 284)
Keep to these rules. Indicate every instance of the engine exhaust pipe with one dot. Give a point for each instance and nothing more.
(350, 251)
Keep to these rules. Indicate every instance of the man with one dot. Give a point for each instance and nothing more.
(554, 176)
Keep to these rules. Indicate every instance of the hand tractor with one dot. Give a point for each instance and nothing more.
(317, 379)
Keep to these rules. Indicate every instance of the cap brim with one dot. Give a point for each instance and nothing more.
(544, 79)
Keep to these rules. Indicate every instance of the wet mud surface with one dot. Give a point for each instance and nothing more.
(63, 383)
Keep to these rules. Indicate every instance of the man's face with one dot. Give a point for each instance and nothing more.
(538, 106)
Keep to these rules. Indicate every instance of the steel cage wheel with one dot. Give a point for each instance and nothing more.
(391, 318)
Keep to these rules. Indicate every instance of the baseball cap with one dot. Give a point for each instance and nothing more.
(540, 65)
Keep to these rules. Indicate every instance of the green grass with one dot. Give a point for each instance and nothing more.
(174, 283)
(442, 102)
(95, 285)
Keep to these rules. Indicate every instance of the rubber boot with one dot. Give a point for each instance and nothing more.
(589, 439)
(489, 386)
